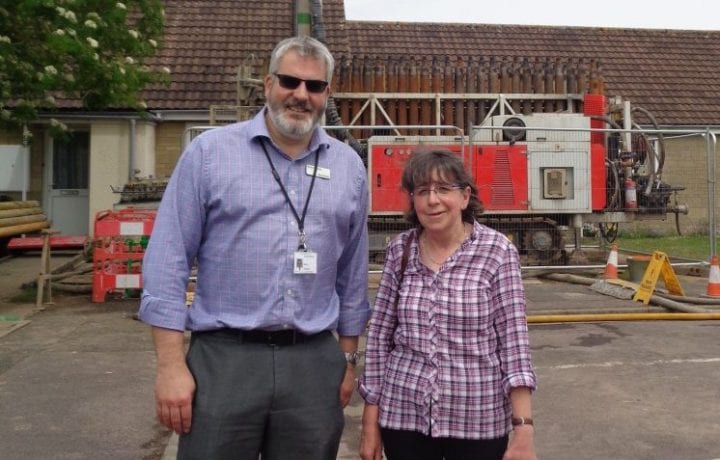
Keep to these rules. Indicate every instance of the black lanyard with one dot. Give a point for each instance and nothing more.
(300, 219)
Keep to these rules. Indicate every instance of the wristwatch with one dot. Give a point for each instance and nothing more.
(352, 357)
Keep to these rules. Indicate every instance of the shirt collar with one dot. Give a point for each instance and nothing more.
(258, 129)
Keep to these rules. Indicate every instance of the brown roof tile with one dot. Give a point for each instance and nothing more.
(672, 73)
(205, 42)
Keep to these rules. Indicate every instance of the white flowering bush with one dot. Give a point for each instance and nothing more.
(54, 50)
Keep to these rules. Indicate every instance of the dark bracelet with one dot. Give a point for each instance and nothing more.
(516, 421)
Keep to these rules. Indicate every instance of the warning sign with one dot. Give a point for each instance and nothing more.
(659, 266)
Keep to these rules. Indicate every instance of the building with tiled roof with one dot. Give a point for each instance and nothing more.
(205, 42)
(672, 73)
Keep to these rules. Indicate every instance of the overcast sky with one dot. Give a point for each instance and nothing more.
(658, 14)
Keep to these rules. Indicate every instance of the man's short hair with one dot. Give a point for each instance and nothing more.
(304, 46)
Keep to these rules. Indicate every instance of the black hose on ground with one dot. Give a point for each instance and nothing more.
(655, 299)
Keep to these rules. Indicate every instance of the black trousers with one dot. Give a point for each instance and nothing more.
(411, 445)
(252, 399)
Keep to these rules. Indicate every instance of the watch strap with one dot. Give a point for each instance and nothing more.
(517, 421)
(352, 357)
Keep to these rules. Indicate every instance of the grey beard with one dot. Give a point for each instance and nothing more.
(294, 130)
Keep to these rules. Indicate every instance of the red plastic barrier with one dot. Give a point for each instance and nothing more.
(118, 249)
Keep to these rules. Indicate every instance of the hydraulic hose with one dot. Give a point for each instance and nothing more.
(661, 139)
(607, 120)
(693, 300)
(660, 156)
(615, 197)
(655, 299)
(652, 157)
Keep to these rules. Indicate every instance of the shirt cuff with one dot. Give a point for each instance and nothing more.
(162, 313)
(366, 394)
(353, 323)
(523, 379)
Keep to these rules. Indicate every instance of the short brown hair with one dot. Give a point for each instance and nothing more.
(419, 170)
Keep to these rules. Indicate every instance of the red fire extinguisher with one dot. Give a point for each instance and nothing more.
(630, 194)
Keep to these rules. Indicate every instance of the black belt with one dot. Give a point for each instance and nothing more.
(284, 337)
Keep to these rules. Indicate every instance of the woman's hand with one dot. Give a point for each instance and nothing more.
(521, 445)
(370, 440)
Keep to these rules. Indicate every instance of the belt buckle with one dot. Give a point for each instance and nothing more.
(281, 338)
(270, 338)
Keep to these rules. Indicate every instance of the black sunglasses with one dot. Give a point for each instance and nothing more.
(290, 82)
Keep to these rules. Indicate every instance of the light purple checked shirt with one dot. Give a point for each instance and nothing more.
(223, 207)
(444, 362)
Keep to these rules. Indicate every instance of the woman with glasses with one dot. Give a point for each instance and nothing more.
(448, 372)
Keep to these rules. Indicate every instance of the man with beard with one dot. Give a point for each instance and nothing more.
(274, 213)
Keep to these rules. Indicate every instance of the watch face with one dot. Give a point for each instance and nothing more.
(352, 357)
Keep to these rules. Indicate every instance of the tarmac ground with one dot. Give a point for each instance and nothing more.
(76, 379)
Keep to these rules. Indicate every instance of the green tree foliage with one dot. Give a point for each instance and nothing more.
(93, 52)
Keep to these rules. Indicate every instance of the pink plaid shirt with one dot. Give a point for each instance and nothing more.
(444, 361)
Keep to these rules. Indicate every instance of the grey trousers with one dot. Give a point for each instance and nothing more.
(281, 402)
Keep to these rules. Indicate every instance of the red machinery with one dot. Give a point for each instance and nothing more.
(540, 177)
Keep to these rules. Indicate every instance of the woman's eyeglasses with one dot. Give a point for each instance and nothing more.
(440, 190)
(290, 82)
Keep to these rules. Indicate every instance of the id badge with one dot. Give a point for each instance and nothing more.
(305, 263)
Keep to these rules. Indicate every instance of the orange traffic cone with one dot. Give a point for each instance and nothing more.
(713, 289)
(611, 269)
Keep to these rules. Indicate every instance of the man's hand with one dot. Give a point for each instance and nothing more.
(174, 391)
(175, 385)
(348, 344)
(347, 386)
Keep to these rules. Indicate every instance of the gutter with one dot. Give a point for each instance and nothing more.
(201, 116)
(45, 117)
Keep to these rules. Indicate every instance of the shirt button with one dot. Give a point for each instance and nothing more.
(289, 292)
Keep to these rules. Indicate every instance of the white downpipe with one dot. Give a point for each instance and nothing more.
(627, 124)
(131, 149)
(710, 146)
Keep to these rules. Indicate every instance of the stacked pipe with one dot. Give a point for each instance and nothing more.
(18, 217)
(447, 74)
